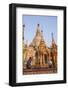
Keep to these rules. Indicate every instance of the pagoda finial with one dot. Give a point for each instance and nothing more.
(38, 29)
(38, 24)
(52, 37)
(23, 30)
(23, 25)
(42, 35)
(41, 32)
(53, 42)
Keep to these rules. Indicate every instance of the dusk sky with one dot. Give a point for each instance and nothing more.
(47, 23)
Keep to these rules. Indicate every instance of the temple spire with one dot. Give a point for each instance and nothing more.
(23, 30)
(38, 26)
(53, 42)
(38, 30)
(52, 38)
(42, 34)
(23, 27)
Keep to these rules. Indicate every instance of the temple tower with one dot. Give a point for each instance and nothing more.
(54, 51)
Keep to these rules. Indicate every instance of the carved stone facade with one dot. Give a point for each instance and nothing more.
(39, 52)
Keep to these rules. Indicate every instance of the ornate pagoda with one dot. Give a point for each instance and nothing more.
(39, 52)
